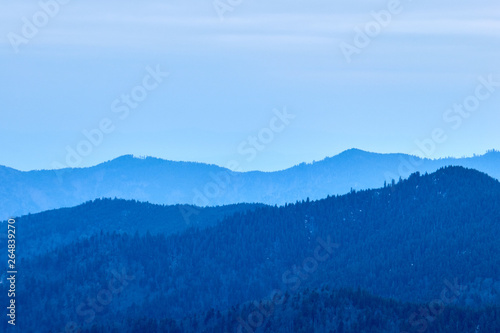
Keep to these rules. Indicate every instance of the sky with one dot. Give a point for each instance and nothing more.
(268, 84)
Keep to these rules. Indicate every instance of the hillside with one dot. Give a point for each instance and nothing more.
(322, 310)
(66, 225)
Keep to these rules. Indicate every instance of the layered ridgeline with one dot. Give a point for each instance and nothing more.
(166, 182)
(430, 237)
(66, 225)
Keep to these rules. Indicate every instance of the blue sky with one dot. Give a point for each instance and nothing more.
(229, 78)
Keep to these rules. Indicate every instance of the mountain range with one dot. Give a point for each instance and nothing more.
(429, 239)
(166, 182)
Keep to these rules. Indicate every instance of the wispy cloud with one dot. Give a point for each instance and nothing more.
(154, 22)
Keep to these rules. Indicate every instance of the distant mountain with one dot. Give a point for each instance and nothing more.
(430, 239)
(166, 182)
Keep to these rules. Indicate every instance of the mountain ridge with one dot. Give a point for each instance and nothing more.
(169, 182)
(405, 241)
(356, 152)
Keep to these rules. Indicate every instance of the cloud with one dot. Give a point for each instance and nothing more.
(156, 24)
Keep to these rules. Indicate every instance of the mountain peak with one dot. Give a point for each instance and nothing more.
(354, 151)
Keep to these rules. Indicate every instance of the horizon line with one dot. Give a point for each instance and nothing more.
(144, 157)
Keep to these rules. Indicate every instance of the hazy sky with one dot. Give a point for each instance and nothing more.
(86, 66)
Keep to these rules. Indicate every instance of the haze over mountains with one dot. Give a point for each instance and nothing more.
(117, 215)
(167, 182)
(408, 241)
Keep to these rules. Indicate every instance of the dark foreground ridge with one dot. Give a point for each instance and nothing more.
(323, 310)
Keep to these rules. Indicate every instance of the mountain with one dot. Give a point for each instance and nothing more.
(166, 182)
(114, 216)
(430, 239)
